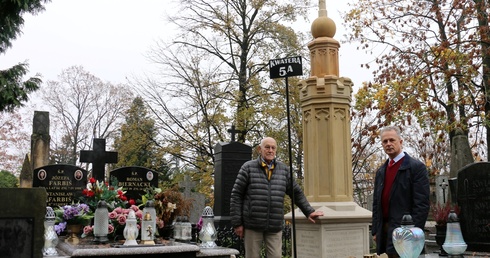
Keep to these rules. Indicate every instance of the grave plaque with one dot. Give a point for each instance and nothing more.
(22, 222)
(134, 180)
(229, 157)
(64, 183)
(474, 202)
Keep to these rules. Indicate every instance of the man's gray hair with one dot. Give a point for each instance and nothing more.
(391, 128)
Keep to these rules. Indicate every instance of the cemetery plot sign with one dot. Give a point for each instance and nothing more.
(285, 67)
(63, 183)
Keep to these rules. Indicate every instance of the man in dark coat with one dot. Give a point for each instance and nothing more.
(401, 186)
(257, 202)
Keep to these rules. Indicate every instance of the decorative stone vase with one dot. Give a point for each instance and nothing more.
(73, 232)
(440, 238)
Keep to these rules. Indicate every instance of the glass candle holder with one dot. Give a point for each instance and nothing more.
(50, 236)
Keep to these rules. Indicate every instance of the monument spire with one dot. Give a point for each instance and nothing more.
(325, 106)
(322, 10)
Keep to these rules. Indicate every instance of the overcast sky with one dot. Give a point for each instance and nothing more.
(109, 38)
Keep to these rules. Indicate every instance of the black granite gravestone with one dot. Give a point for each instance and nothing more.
(229, 157)
(134, 180)
(98, 157)
(474, 202)
(64, 183)
(22, 222)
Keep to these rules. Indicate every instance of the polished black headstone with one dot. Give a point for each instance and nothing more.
(64, 183)
(474, 202)
(229, 157)
(134, 180)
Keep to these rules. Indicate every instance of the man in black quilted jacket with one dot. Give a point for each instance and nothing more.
(257, 202)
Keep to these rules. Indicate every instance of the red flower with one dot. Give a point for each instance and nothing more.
(132, 202)
(92, 180)
(87, 193)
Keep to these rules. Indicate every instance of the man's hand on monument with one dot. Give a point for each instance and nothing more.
(239, 231)
(315, 215)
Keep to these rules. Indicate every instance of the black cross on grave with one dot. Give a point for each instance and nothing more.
(233, 131)
(98, 157)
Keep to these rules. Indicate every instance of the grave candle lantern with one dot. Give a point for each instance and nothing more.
(50, 236)
(207, 235)
(101, 223)
(131, 229)
(454, 244)
(150, 208)
(147, 231)
(408, 240)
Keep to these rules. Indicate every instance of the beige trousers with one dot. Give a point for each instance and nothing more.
(253, 243)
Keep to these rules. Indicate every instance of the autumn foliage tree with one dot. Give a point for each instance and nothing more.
(430, 68)
(83, 107)
(214, 74)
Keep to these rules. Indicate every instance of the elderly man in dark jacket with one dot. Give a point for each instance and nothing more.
(401, 186)
(257, 201)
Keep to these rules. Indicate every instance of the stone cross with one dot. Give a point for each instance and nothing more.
(444, 185)
(188, 185)
(98, 157)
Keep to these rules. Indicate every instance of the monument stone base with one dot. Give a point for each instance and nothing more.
(343, 231)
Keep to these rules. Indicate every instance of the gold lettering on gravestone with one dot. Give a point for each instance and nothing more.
(344, 242)
(134, 182)
(60, 190)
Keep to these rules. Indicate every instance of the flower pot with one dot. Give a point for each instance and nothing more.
(440, 238)
(74, 230)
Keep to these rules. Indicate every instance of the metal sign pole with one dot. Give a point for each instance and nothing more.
(291, 167)
(285, 67)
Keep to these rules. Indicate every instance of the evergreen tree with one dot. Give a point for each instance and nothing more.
(8, 180)
(12, 89)
(136, 145)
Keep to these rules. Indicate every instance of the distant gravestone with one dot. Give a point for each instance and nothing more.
(442, 189)
(474, 202)
(22, 222)
(134, 180)
(229, 157)
(198, 199)
(64, 183)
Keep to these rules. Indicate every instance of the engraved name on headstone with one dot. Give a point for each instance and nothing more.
(134, 180)
(474, 202)
(64, 183)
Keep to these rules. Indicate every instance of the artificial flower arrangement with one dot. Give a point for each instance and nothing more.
(170, 204)
(111, 194)
(117, 221)
(440, 212)
(75, 214)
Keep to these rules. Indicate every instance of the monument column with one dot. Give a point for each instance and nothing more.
(343, 231)
(39, 155)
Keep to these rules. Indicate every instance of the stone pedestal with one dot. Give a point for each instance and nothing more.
(343, 231)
